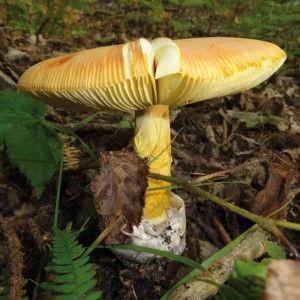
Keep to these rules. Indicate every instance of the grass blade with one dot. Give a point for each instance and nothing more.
(169, 255)
(222, 252)
(57, 199)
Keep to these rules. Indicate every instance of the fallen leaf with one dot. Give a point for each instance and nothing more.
(274, 195)
(257, 119)
(282, 282)
(119, 191)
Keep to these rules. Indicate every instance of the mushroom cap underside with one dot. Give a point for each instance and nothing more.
(140, 74)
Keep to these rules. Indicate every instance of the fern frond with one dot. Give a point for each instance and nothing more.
(73, 275)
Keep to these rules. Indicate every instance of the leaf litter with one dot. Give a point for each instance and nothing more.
(275, 193)
(196, 151)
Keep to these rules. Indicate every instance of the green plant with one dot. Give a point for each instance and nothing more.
(72, 274)
(32, 145)
(73, 277)
(169, 255)
(243, 287)
(155, 10)
(276, 21)
(125, 124)
(247, 280)
(50, 16)
(272, 20)
(257, 119)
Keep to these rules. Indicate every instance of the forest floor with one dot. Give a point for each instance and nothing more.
(245, 136)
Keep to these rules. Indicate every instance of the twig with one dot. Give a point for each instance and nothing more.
(103, 234)
(252, 247)
(222, 232)
(225, 128)
(247, 139)
(7, 79)
(212, 176)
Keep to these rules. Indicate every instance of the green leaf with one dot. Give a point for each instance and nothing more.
(31, 145)
(73, 274)
(246, 283)
(275, 251)
(17, 102)
(218, 255)
(94, 296)
(254, 120)
(245, 268)
(199, 3)
(241, 288)
(227, 292)
(125, 124)
(82, 273)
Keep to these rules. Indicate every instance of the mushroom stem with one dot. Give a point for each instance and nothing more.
(152, 142)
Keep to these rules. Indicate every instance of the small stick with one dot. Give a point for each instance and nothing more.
(211, 176)
(223, 233)
(251, 247)
(7, 79)
(103, 234)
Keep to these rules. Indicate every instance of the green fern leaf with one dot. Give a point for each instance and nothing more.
(31, 145)
(73, 274)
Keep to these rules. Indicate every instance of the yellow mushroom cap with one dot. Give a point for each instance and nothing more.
(140, 74)
(191, 70)
(116, 77)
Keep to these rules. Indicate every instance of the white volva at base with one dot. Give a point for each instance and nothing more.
(168, 235)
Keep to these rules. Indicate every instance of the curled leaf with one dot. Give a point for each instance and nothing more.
(274, 195)
(119, 191)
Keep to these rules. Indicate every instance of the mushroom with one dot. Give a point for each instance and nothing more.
(148, 77)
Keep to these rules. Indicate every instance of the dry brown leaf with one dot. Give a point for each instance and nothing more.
(283, 280)
(119, 191)
(274, 195)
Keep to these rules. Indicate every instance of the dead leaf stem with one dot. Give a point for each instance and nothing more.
(103, 234)
(266, 223)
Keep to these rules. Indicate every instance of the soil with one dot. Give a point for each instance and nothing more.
(208, 137)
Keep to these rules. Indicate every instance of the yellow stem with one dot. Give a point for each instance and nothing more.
(152, 142)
